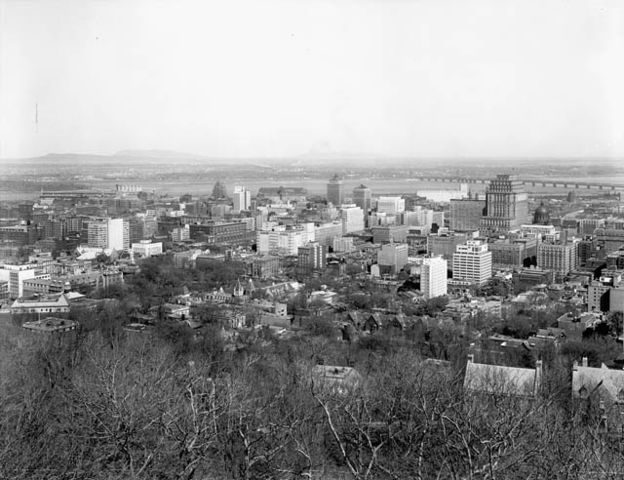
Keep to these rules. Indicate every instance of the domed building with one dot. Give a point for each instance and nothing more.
(541, 215)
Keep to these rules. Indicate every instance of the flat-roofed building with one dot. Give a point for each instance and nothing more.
(362, 197)
(445, 244)
(465, 214)
(433, 277)
(393, 233)
(391, 205)
(560, 258)
(147, 248)
(394, 256)
(472, 262)
(311, 257)
(231, 233)
(51, 325)
(352, 219)
(335, 191)
(324, 233)
(264, 266)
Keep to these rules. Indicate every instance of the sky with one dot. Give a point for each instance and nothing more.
(267, 78)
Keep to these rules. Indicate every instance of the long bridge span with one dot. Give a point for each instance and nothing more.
(565, 184)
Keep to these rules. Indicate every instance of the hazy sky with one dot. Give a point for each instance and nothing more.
(279, 78)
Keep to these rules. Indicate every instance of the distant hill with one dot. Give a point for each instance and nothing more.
(166, 154)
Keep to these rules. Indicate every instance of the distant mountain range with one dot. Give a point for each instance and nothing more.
(338, 159)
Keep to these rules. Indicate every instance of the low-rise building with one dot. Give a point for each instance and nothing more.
(51, 325)
(502, 380)
(147, 248)
(43, 305)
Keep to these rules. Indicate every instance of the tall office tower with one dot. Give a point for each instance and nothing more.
(135, 229)
(362, 197)
(242, 199)
(433, 277)
(219, 190)
(465, 214)
(506, 205)
(311, 257)
(25, 210)
(560, 258)
(335, 191)
(352, 219)
(472, 262)
(392, 205)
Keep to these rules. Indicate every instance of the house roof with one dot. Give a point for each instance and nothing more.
(376, 317)
(607, 382)
(332, 375)
(498, 379)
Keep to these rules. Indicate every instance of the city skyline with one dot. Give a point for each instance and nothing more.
(272, 80)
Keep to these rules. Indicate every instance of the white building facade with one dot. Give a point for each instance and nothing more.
(433, 277)
(472, 262)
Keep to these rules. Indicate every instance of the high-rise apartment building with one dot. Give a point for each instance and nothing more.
(472, 262)
(335, 191)
(97, 236)
(433, 277)
(111, 233)
(363, 198)
(311, 257)
(242, 199)
(506, 205)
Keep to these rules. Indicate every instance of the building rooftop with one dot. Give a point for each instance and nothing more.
(497, 379)
(47, 301)
(51, 325)
(608, 383)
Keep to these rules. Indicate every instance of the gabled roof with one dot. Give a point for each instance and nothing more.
(334, 376)
(59, 301)
(375, 317)
(608, 383)
(502, 380)
(398, 319)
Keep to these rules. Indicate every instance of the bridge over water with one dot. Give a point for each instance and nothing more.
(565, 184)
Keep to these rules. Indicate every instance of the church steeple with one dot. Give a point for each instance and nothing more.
(239, 291)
